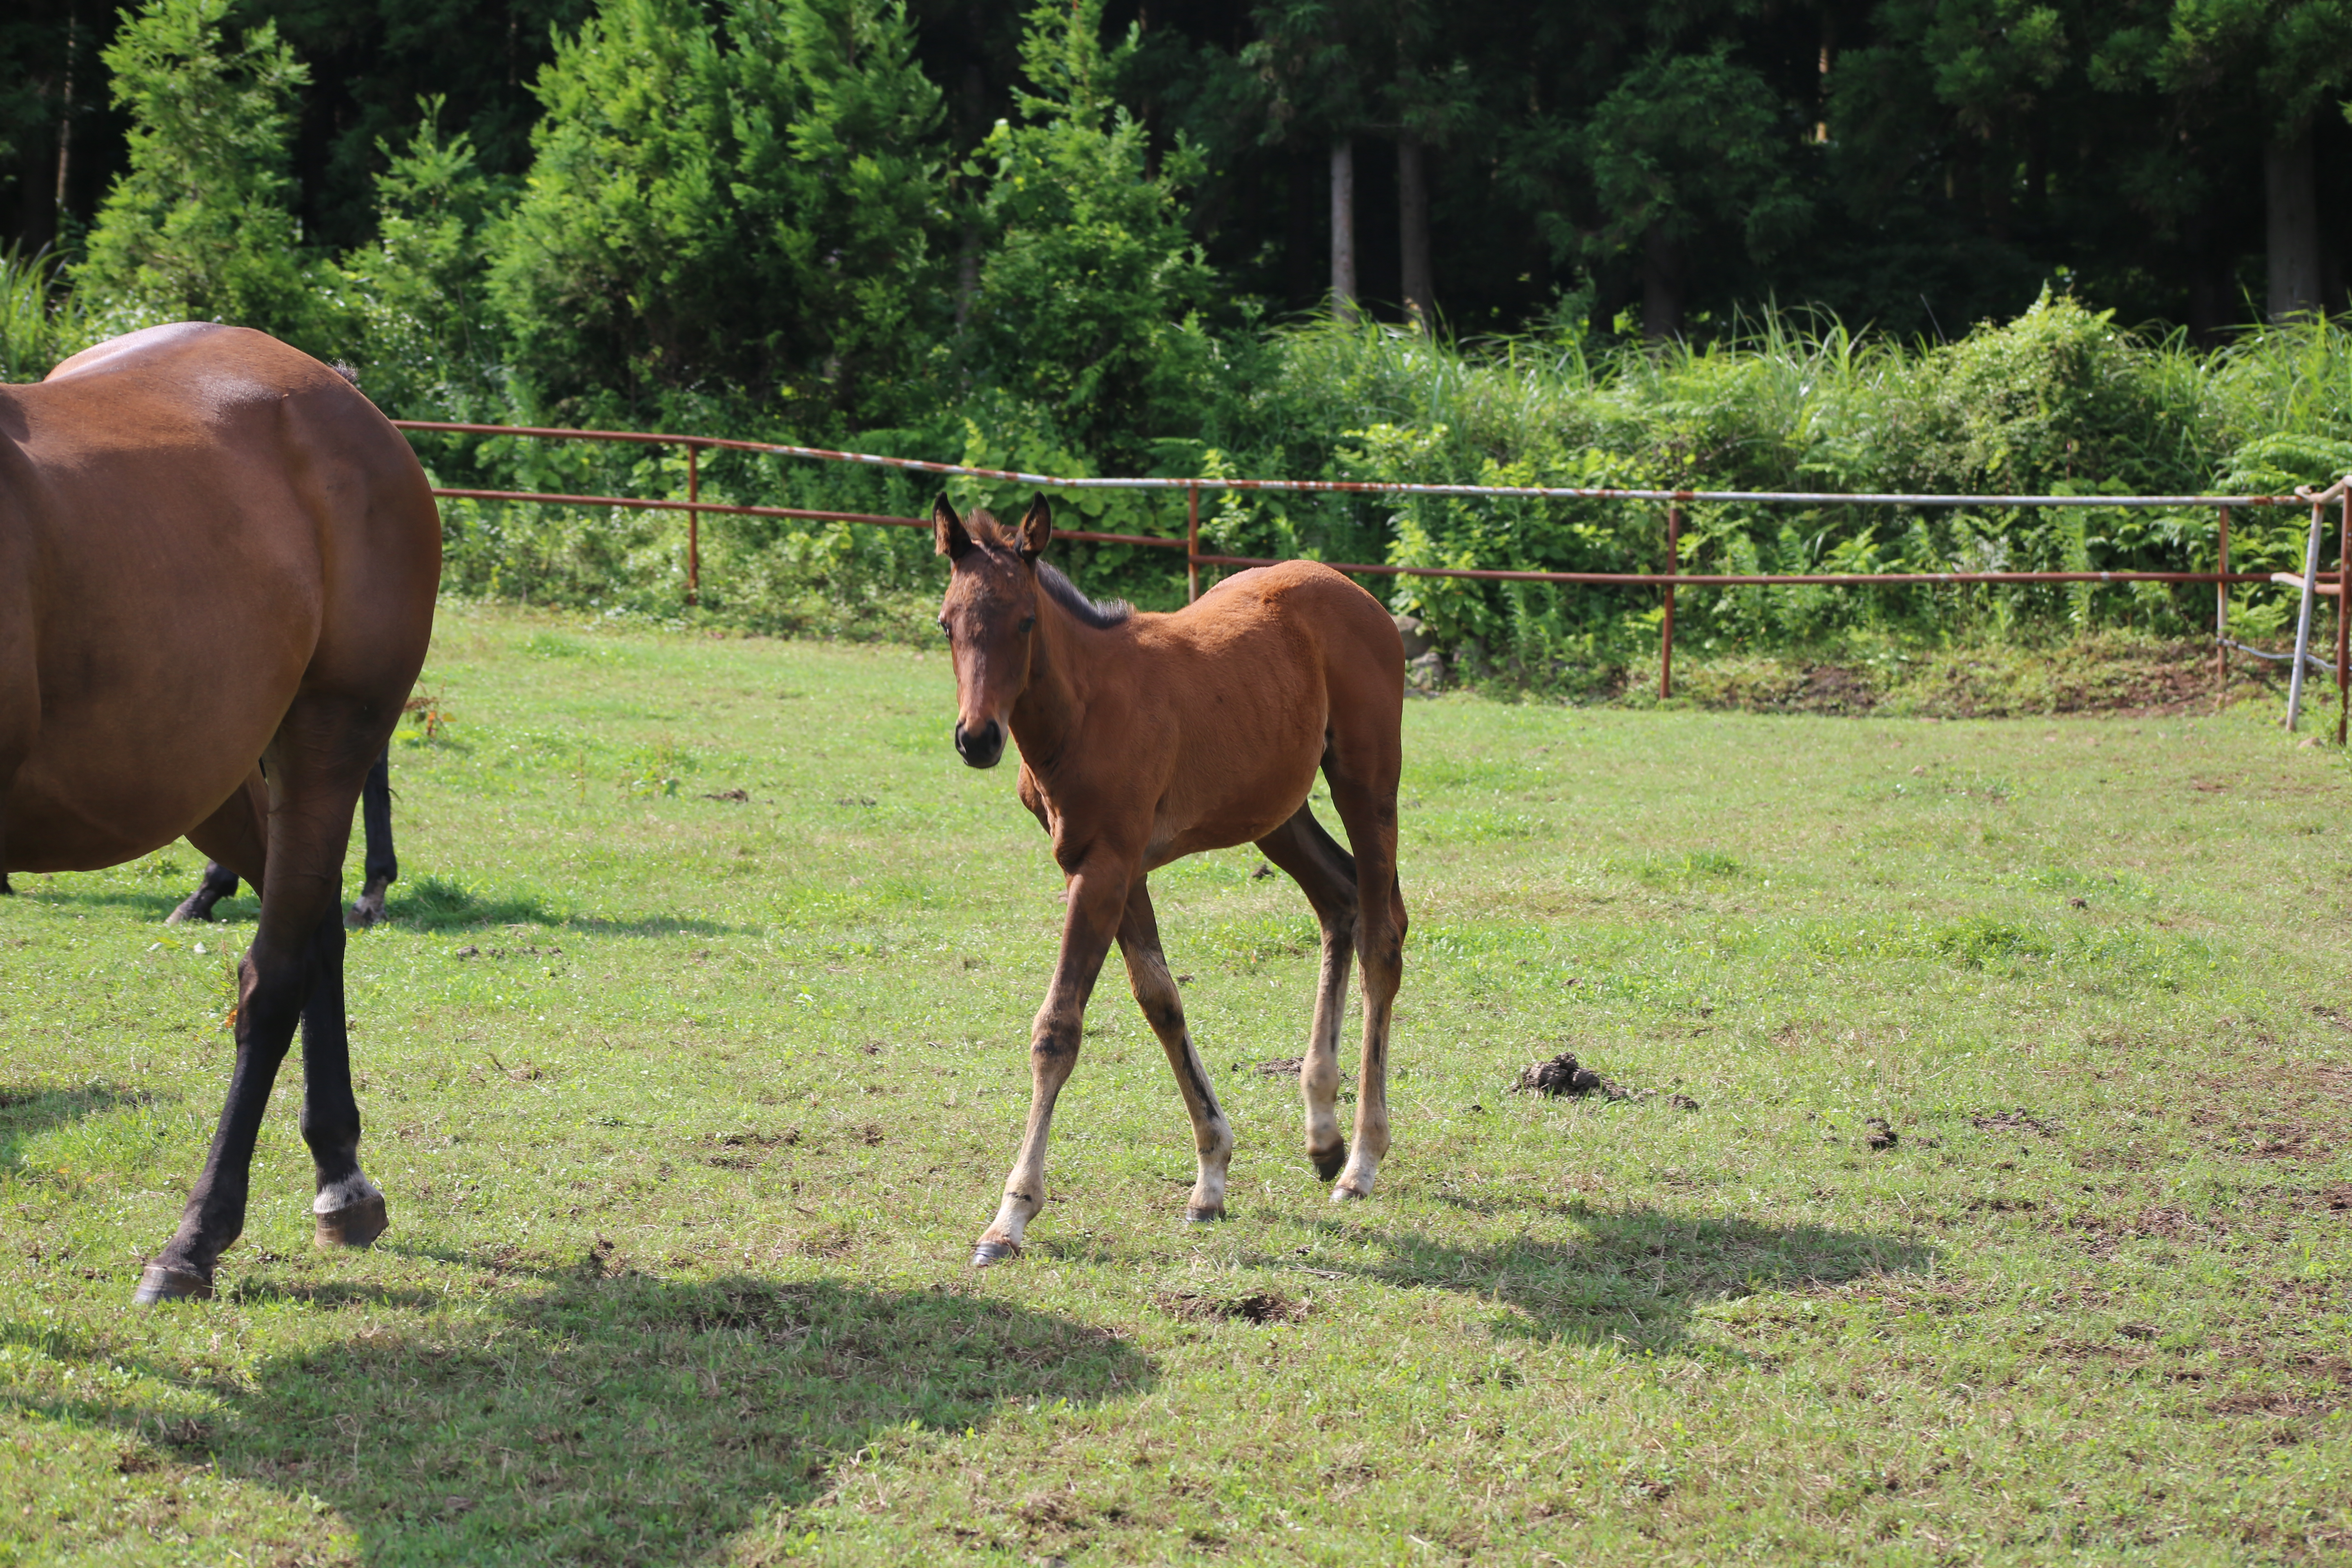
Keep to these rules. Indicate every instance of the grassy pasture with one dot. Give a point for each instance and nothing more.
(685, 1157)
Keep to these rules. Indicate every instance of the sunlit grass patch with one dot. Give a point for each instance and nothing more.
(1948, 1218)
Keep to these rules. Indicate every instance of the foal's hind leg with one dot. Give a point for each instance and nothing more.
(293, 972)
(1326, 874)
(1363, 788)
(1163, 1009)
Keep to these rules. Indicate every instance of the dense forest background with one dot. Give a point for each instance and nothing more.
(1918, 164)
(1980, 245)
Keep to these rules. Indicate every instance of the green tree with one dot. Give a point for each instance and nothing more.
(428, 338)
(2271, 66)
(1091, 292)
(197, 225)
(1688, 149)
(742, 208)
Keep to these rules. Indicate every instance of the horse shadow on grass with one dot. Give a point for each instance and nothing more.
(442, 904)
(1633, 1274)
(617, 1420)
(26, 1112)
(432, 904)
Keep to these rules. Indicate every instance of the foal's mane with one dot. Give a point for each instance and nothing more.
(1099, 614)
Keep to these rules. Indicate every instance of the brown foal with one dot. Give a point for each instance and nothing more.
(214, 549)
(1145, 737)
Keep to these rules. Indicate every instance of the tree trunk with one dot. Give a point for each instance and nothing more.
(2291, 206)
(1343, 229)
(1413, 224)
(1662, 285)
(64, 130)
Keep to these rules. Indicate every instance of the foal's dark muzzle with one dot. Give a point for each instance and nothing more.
(980, 748)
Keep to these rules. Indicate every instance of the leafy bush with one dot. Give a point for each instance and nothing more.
(197, 226)
(740, 209)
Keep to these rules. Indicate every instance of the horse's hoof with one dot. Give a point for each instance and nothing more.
(1196, 1215)
(1327, 1165)
(1348, 1192)
(161, 1282)
(357, 1226)
(189, 909)
(988, 1252)
(365, 912)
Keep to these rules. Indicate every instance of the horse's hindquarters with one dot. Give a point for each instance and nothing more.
(210, 524)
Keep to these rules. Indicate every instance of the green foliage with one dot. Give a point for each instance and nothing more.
(1682, 152)
(1091, 289)
(197, 226)
(425, 321)
(39, 315)
(740, 207)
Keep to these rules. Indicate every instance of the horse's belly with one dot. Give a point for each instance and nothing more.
(150, 702)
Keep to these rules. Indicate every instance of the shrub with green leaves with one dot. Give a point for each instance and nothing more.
(741, 208)
(1092, 291)
(197, 226)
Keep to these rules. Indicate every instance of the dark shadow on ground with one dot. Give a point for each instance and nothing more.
(1635, 1273)
(26, 1112)
(425, 903)
(438, 903)
(146, 905)
(613, 1420)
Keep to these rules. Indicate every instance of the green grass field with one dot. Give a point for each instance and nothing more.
(690, 1106)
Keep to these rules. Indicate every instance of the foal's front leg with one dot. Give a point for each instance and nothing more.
(1163, 1009)
(1098, 897)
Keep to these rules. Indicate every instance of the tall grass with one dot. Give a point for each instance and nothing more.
(40, 320)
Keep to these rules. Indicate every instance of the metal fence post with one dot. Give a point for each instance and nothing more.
(2303, 623)
(1192, 543)
(2221, 617)
(693, 524)
(1666, 640)
(2343, 593)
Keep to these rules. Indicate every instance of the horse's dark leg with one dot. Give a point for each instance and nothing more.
(295, 961)
(1163, 1009)
(382, 865)
(219, 882)
(350, 1207)
(1326, 874)
(235, 841)
(1097, 903)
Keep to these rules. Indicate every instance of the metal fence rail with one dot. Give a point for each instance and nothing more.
(2313, 581)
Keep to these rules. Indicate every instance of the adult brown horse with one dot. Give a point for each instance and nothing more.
(1145, 737)
(214, 549)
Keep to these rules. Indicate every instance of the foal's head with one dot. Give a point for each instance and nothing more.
(990, 616)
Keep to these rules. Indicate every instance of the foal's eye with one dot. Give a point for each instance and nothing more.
(944, 625)
(1028, 624)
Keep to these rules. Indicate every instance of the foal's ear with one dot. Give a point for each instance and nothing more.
(949, 530)
(1037, 530)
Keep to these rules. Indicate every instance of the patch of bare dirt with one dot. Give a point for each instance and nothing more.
(2274, 1403)
(2003, 1120)
(1258, 1307)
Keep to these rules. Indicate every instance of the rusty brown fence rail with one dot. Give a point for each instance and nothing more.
(2221, 577)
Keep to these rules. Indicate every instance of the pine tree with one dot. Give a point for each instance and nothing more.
(737, 209)
(197, 226)
(1091, 289)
